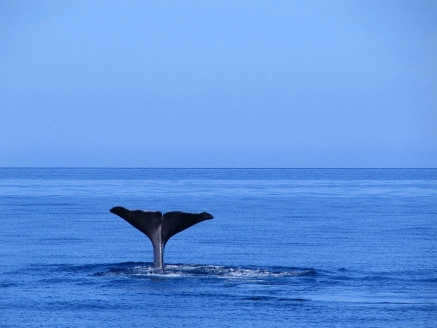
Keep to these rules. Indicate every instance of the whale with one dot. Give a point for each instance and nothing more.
(160, 227)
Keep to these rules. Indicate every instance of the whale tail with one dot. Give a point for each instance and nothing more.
(160, 228)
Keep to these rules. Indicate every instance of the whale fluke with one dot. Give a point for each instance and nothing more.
(160, 228)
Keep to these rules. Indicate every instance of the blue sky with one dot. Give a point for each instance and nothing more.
(218, 83)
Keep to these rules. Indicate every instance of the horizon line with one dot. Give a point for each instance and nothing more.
(215, 168)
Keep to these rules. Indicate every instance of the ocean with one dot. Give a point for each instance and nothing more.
(286, 248)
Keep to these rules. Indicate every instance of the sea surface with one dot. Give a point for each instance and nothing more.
(286, 248)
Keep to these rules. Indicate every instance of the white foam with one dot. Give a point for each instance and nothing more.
(205, 271)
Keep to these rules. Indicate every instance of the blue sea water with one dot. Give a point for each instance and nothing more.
(287, 248)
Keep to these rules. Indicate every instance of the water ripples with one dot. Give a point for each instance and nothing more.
(201, 271)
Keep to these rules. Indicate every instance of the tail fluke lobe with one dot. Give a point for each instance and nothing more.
(147, 222)
(175, 222)
(159, 228)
